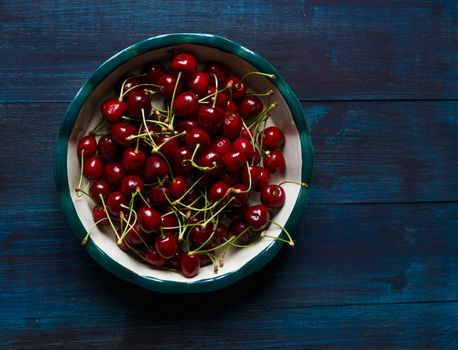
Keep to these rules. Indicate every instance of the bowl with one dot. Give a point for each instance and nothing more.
(83, 114)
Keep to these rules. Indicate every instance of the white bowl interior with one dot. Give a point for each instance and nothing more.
(89, 116)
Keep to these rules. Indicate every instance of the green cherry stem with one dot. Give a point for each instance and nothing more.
(170, 111)
(108, 216)
(290, 239)
(303, 184)
(270, 76)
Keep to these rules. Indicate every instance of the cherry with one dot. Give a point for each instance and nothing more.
(234, 160)
(167, 83)
(273, 196)
(221, 146)
(240, 195)
(166, 245)
(179, 186)
(232, 125)
(221, 97)
(219, 69)
(186, 124)
(274, 161)
(152, 256)
(199, 83)
(211, 160)
(246, 133)
(185, 63)
(169, 222)
(93, 168)
(200, 234)
(181, 161)
(257, 217)
(99, 187)
(115, 201)
(155, 166)
(273, 138)
(107, 149)
(120, 133)
(159, 195)
(243, 146)
(217, 191)
(168, 144)
(130, 84)
(230, 178)
(130, 184)
(149, 219)
(87, 146)
(113, 173)
(260, 177)
(237, 227)
(185, 104)
(236, 86)
(231, 106)
(154, 70)
(210, 119)
(197, 136)
(189, 265)
(133, 159)
(136, 102)
(220, 235)
(99, 215)
(112, 110)
(250, 106)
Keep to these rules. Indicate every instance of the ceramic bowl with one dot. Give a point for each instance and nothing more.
(83, 114)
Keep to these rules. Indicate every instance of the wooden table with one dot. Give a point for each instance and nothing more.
(376, 261)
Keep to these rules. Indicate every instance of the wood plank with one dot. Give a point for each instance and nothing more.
(326, 50)
(364, 152)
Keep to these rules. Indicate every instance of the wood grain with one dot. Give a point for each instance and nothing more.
(325, 50)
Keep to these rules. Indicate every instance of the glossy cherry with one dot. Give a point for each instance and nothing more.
(190, 265)
(167, 83)
(200, 234)
(181, 161)
(199, 83)
(115, 201)
(149, 219)
(250, 106)
(87, 146)
(155, 167)
(239, 194)
(166, 245)
(186, 104)
(257, 217)
(99, 215)
(273, 138)
(120, 133)
(219, 69)
(99, 187)
(154, 71)
(133, 159)
(274, 161)
(179, 186)
(237, 88)
(93, 168)
(107, 149)
(210, 160)
(197, 136)
(185, 63)
(112, 110)
(167, 143)
(131, 184)
(169, 222)
(210, 118)
(232, 125)
(152, 256)
(234, 160)
(221, 146)
(138, 103)
(273, 196)
(159, 195)
(217, 191)
(113, 173)
(243, 146)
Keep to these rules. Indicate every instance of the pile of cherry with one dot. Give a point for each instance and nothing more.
(175, 159)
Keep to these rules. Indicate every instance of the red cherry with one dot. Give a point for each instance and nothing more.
(240, 195)
(243, 146)
(241, 230)
(197, 136)
(132, 159)
(232, 125)
(221, 97)
(115, 201)
(246, 134)
(149, 219)
(168, 144)
(199, 83)
(135, 236)
(155, 166)
(120, 133)
(274, 161)
(167, 83)
(273, 138)
(260, 177)
(87, 146)
(179, 186)
(221, 234)
(154, 70)
(210, 119)
(114, 173)
(217, 191)
(237, 87)
(199, 235)
(136, 102)
(234, 160)
(257, 217)
(210, 159)
(154, 258)
(166, 245)
(219, 69)
(221, 146)
(189, 265)
(230, 178)
(185, 104)
(99, 187)
(112, 110)
(130, 184)
(231, 106)
(99, 215)
(159, 195)
(130, 84)
(273, 196)
(107, 149)
(250, 106)
(181, 161)
(169, 223)
(185, 63)
(93, 168)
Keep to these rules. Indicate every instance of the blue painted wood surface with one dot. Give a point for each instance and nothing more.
(376, 261)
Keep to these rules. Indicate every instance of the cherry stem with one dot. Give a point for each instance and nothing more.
(173, 97)
(80, 182)
(86, 238)
(270, 76)
(124, 93)
(304, 184)
(290, 239)
(216, 90)
(108, 216)
(262, 94)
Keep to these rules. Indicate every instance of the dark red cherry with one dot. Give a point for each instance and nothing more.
(217, 191)
(257, 217)
(211, 160)
(130, 84)
(155, 166)
(107, 149)
(112, 110)
(210, 119)
(238, 228)
(87, 146)
(99, 187)
(154, 70)
(168, 144)
(99, 215)
(230, 178)
(274, 161)
(185, 104)
(181, 161)
(135, 236)
(231, 106)
(221, 98)
(240, 195)
(197, 136)
(130, 184)
(221, 234)
(243, 146)
(199, 234)
(246, 134)
(114, 173)
(232, 125)
(115, 201)
(169, 222)
(152, 256)
(260, 177)
(273, 196)
(138, 104)
(237, 88)
(219, 69)
(221, 146)
(199, 83)
(120, 133)
(234, 160)
(166, 245)
(159, 195)
(273, 138)
(93, 168)
(133, 159)
(149, 219)
(179, 186)
(185, 63)
(250, 106)
(167, 83)
(190, 265)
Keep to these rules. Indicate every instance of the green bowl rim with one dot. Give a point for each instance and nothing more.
(61, 175)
